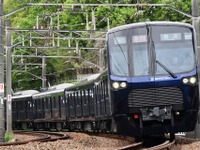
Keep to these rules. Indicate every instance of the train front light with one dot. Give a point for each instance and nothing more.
(185, 80)
(189, 80)
(193, 80)
(123, 84)
(115, 85)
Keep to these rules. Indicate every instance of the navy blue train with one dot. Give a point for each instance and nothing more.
(153, 76)
(149, 88)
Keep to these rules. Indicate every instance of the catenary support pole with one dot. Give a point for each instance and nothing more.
(2, 116)
(8, 80)
(44, 72)
(195, 22)
(101, 59)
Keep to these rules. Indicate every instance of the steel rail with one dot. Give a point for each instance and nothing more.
(135, 146)
(165, 145)
(131, 146)
(60, 136)
(46, 136)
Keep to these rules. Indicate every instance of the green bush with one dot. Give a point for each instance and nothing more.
(8, 137)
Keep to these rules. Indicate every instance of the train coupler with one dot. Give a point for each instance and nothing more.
(156, 113)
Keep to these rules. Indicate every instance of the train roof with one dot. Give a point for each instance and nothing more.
(53, 90)
(60, 86)
(91, 81)
(91, 77)
(141, 24)
(23, 94)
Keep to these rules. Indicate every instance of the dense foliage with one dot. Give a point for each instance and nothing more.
(60, 70)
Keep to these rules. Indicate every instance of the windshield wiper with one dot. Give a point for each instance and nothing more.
(168, 70)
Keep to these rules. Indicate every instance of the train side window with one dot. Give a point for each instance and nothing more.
(72, 99)
(76, 97)
(39, 104)
(54, 102)
(46, 103)
(80, 97)
(62, 100)
(60, 104)
(68, 99)
(57, 101)
(84, 97)
(50, 103)
(86, 94)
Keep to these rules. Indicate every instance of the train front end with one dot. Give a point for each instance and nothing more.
(153, 78)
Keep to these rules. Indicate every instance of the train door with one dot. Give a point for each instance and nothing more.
(62, 107)
(29, 109)
(39, 109)
(85, 103)
(91, 101)
(22, 110)
(96, 101)
(72, 105)
(47, 108)
(55, 109)
(103, 98)
(34, 109)
(14, 110)
(67, 106)
(78, 104)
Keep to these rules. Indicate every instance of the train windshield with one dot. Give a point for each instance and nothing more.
(119, 53)
(156, 49)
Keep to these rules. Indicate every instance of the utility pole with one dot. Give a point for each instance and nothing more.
(2, 119)
(195, 22)
(101, 60)
(44, 73)
(8, 80)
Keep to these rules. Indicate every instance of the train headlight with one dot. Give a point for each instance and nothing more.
(123, 84)
(185, 80)
(190, 80)
(193, 80)
(115, 85)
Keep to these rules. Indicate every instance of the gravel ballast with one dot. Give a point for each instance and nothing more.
(81, 141)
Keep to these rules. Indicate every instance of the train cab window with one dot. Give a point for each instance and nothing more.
(174, 49)
(140, 53)
(118, 53)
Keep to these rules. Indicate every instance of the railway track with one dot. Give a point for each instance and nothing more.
(44, 136)
(165, 145)
(41, 136)
(139, 146)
